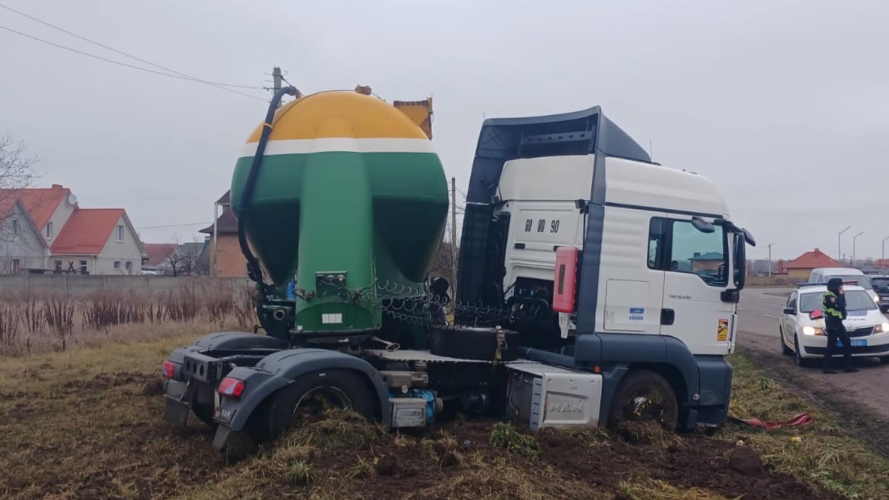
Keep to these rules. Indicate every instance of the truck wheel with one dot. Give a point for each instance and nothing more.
(784, 349)
(311, 394)
(644, 395)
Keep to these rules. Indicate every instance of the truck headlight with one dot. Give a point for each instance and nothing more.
(809, 330)
(883, 328)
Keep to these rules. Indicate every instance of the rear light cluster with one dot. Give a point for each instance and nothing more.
(231, 387)
(168, 369)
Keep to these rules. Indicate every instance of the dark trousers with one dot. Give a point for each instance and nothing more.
(834, 334)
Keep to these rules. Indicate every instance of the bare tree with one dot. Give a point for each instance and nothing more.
(184, 258)
(16, 168)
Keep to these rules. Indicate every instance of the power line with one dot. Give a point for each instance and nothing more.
(112, 49)
(169, 72)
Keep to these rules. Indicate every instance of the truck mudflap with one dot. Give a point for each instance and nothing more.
(279, 370)
(195, 375)
(176, 406)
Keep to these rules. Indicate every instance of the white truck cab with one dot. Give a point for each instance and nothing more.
(659, 262)
(848, 275)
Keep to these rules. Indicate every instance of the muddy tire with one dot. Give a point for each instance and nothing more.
(784, 349)
(644, 395)
(798, 358)
(311, 394)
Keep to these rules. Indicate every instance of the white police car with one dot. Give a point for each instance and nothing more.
(802, 324)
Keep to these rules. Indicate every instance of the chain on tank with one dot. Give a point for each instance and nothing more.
(419, 306)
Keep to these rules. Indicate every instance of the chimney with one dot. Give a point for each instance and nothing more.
(780, 266)
(56, 187)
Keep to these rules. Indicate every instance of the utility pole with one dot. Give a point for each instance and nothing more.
(213, 271)
(277, 78)
(840, 244)
(454, 236)
(883, 259)
(770, 259)
(853, 247)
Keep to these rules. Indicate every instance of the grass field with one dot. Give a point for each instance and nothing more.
(87, 424)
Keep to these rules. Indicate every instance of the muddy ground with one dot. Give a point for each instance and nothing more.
(861, 399)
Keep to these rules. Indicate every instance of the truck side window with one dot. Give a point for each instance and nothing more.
(693, 251)
(656, 242)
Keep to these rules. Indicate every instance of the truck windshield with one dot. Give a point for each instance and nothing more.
(856, 300)
(860, 280)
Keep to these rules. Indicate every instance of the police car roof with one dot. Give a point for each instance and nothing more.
(822, 287)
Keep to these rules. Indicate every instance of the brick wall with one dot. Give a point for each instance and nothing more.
(230, 262)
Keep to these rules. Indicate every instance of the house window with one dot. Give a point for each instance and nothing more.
(58, 265)
(117, 264)
(83, 267)
(15, 265)
(49, 230)
(15, 226)
(129, 267)
(119, 234)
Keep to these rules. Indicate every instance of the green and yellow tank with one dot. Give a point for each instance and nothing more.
(349, 187)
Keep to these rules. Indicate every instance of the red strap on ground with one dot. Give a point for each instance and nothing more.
(801, 420)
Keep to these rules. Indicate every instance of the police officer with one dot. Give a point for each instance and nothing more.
(834, 307)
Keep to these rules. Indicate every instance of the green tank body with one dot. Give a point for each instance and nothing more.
(350, 197)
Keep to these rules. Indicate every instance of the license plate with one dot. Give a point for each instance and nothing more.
(855, 343)
(224, 414)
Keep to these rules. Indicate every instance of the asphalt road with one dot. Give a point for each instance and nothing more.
(759, 311)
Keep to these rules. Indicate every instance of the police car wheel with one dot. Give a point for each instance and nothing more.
(800, 360)
(784, 349)
(309, 396)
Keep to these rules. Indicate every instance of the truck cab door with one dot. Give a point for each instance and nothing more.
(698, 269)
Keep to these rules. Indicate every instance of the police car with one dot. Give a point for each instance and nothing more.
(802, 324)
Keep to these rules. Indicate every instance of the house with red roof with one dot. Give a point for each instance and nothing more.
(799, 268)
(77, 240)
(22, 246)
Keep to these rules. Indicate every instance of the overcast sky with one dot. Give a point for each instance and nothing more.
(785, 104)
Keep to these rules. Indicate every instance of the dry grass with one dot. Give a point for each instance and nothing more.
(39, 323)
(824, 453)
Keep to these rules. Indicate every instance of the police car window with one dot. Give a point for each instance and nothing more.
(704, 254)
(856, 300)
(859, 300)
(791, 301)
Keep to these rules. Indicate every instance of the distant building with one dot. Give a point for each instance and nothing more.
(225, 257)
(799, 268)
(171, 259)
(45, 230)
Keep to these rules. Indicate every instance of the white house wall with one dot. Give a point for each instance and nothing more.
(24, 246)
(58, 219)
(128, 250)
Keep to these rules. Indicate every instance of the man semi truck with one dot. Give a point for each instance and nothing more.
(593, 285)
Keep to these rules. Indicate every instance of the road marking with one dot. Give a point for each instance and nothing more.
(770, 316)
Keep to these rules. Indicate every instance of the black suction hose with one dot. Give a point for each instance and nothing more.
(254, 271)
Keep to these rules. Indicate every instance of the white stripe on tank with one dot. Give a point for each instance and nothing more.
(329, 144)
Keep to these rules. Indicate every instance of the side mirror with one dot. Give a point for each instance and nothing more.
(789, 310)
(740, 262)
(702, 225)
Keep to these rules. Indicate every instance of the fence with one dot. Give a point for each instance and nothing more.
(82, 286)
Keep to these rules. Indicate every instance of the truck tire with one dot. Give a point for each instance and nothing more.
(311, 393)
(645, 395)
(784, 349)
